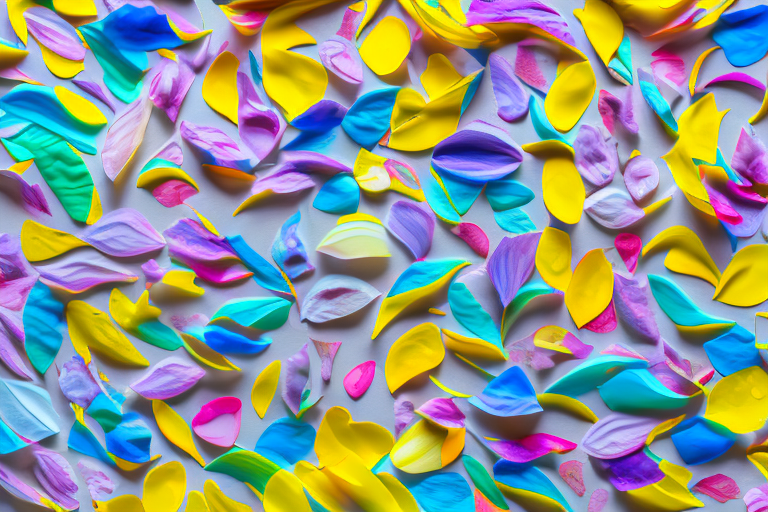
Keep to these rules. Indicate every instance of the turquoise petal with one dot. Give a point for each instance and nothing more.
(339, 195)
(593, 373)
(679, 307)
(637, 391)
(470, 314)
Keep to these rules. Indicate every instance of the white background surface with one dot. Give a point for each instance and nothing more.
(259, 224)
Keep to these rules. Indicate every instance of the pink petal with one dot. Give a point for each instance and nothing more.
(125, 135)
(442, 411)
(525, 352)
(528, 70)
(750, 158)
(218, 421)
(641, 177)
(359, 379)
(572, 473)
(530, 447)
(605, 321)
(9, 354)
(327, 352)
(669, 68)
(511, 97)
(474, 236)
(216, 148)
(336, 296)
(340, 57)
(260, 127)
(31, 196)
(612, 109)
(511, 264)
(123, 233)
(598, 500)
(616, 435)
(612, 208)
(80, 271)
(56, 476)
(168, 378)
(413, 224)
(173, 193)
(404, 414)
(736, 76)
(756, 499)
(100, 486)
(170, 84)
(718, 487)
(629, 247)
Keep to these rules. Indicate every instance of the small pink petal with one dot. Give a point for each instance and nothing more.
(173, 192)
(605, 321)
(340, 56)
(530, 447)
(327, 352)
(218, 421)
(572, 473)
(598, 500)
(641, 177)
(359, 379)
(526, 352)
(474, 236)
(528, 70)
(100, 486)
(718, 487)
(404, 414)
(170, 85)
(483, 504)
(629, 247)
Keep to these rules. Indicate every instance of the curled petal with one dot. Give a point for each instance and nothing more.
(443, 412)
(100, 486)
(511, 97)
(167, 379)
(170, 84)
(340, 57)
(297, 384)
(218, 421)
(750, 158)
(217, 150)
(335, 297)
(415, 352)
(31, 196)
(124, 136)
(288, 250)
(613, 208)
(260, 127)
(631, 299)
(474, 236)
(327, 352)
(530, 447)
(278, 183)
(612, 109)
(641, 176)
(56, 476)
(413, 224)
(509, 394)
(356, 236)
(512, 263)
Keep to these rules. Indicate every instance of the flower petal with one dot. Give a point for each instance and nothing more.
(167, 379)
(359, 379)
(336, 296)
(218, 421)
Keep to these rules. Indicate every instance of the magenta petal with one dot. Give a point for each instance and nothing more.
(669, 68)
(340, 57)
(31, 196)
(530, 447)
(96, 91)
(737, 76)
(524, 12)
(168, 378)
(629, 247)
(443, 412)
(173, 192)
(260, 127)
(598, 500)
(617, 435)
(747, 206)
(528, 70)
(123, 233)
(612, 109)
(511, 264)
(170, 84)
(631, 301)
(218, 421)
(718, 487)
(474, 236)
(413, 224)
(359, 379)
(756, 499)
(604, 322)
(511, 97)
(595, 157)
(55, 33)
(56, 476)
(327, 352)
(81, 271)
(100, 486)
(750, 159)
(404, 414)
(124, 136)
(573, 474)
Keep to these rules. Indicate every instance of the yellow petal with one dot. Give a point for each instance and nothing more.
(549, 147)
(563, 189)
(182, 282)
(739, 401)
(264, 388)
(446, 389)
(760, 460)
(165, 487)
(79, 107)
(220, 85)
(40, 242)
(661, 428)
(321, 487)
(591, 288)
(361, 485)
(400, 492)
(697, 67)
(439, 75)
(196, 502)
(206, 355)
(91, 328)
(669, 494)
(603, 27)
(220, 502)
(339, 436)
(570, 95)
(553, 258)
(58, 65)
(745, 279)
(567, 403)
(386, 46)
(415, 352)
(284, 493)
(129, 315)
(125, 503)
(687, 255)
(472, 347)
(175, 429)
(421, 447)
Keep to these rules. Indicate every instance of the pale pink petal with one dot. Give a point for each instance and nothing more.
(336, 296)
(572, 473)
(750, 158)
(598, 500)
(756, 499)
(218, 421)
(55, 33)
(359, 379)
(125, 135)
(100, 486)
(530, 447)
(474, 236)
(718, 487)
(612, 109)
(170, 84)
(612, 208)
(528, 70)
(669, 68)
(327, 352)
(595, 157)
(168, 378)
(524, 351)
(340, 57)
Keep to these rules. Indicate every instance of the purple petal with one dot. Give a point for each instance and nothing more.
(260, 127)
(53, 32)
(81, 271)
(750, 159)
(77, 383)
(511, 264)
(311, 162)
(572, 473)
(327, 352)
(9, 354)
(96, 91)
(641, 177)
(525, 352)
(296, 379)
(596, 159)
(413, 224)
(631, 300)
(403, 414)
(748, 205)
(17, 488)
(598, 500)
(216, 148)
(359, 379)
(288, 250)
(340, 57)
(31, 196)
(169, 86)
(336, 296)
(56, 476)
(632, 471)
(17, 277)
(474, 236)
(124, 136)
(123, 233)
(718, 487)
(100, 486)
(218, 421)
(511, 97)
(171, 150)
(167, 379)
(530, 447)
(613, 208)
(617, 435)
(612, 108)
(526, 12)
(279, 182)
(478, 153)
(756, 499)
(443, 412)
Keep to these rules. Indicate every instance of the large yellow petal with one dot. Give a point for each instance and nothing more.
(321, 487)
(739, 401)
(670, 493)
(570, 95)
(165, 487)
(339, 436)
(220, 85)
(385, 48)
(91, 328)
(686, 255)
(553, 258)
(175, 429)
(745, 280)
(264, 388)
(400, 492)
(284, 493)
(415, 352)
(591, 288)
(603, 27)
(41, 243)
(563, 189)
(356, 481)
(426, 446)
